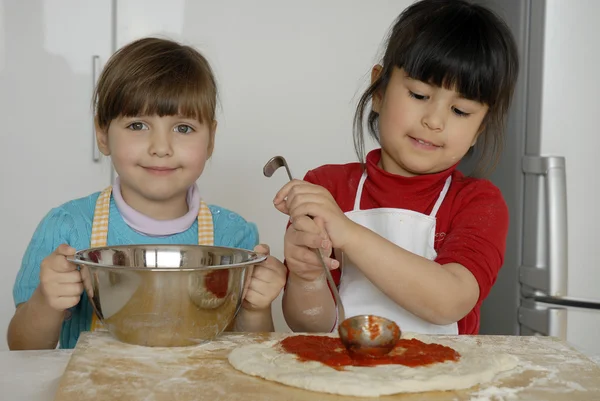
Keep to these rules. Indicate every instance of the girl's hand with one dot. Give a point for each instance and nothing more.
(302, 238)
(265, 282)
(300, 198)
(60, 281)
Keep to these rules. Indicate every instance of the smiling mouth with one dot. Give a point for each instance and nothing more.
(425, 143)
(159, 170)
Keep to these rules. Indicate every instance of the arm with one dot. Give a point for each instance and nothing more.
(45, 287)
(35, 325)
(438, 294)
(254, 321)
(308, 305)
(441, 291)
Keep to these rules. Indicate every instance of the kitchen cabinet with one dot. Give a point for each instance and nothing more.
(50, 54)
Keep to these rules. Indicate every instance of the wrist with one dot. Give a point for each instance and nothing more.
(254, 320)
(251, 311)
(310, 284)
(352, 237)
(40, 305)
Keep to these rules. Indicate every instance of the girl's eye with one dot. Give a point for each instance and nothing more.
(460, 113)
(184, 129)
(417, 96)
(137, 126)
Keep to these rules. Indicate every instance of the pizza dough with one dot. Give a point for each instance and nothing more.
(475, 366)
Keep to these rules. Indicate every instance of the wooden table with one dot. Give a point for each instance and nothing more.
(102, 368)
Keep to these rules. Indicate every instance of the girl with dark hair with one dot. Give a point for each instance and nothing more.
(415, 240)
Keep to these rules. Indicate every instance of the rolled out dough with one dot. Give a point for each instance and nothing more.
(475, 366)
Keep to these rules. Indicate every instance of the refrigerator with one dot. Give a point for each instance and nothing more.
(549, 284)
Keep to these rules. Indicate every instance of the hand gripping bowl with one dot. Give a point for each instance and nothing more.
(165, 295)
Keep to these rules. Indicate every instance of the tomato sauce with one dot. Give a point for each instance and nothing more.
(331, 352)
(217, 282)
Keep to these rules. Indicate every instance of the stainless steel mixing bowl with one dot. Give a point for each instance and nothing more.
(165, 295)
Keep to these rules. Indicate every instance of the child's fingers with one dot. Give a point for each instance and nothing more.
(308, 258)
(309, 240)
(263, 249)
(272, 264)
(295, 202)
(70, 290)
(285, 190)
(309, 225)
(270, 271)
(65, 250)
(262, 293)
(293, 189)
(64, 303)
(255, 300)
(69, 277)
(58, 263)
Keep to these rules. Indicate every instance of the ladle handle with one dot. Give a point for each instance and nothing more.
(341, 315)
(336, 295)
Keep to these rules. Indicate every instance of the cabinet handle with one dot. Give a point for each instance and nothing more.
(95, 68)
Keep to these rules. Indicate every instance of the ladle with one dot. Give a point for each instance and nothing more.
(364, 335)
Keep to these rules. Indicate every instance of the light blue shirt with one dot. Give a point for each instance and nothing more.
(71, 223)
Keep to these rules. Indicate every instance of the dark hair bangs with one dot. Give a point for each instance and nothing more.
(457, 58)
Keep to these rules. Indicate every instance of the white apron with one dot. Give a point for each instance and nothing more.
(408, 229)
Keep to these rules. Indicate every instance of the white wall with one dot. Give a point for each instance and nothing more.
(290, 74)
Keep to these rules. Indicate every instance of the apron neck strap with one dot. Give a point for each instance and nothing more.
(359, 191)
(440, 199)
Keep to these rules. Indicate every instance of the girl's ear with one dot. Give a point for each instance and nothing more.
(480, 131)
(102, 138)
(211, 139)
(377, 96)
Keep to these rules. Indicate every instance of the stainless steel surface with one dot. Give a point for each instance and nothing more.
(268, 170)
(274, 164)
(165, 295)
(545, 261)
(95, 71)
(541, 319)
(499, 314)
(369, 335)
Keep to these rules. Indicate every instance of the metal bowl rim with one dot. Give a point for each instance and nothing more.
(259, 258)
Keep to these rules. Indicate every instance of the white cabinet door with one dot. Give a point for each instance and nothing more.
(290, 74)
(50, 52)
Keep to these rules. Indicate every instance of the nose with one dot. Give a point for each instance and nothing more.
(160, 144)
(435, 117)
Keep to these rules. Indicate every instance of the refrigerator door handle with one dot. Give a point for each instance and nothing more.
(536, 318)
(549, 276)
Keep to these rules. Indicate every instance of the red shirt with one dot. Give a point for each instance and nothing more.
(472, 222)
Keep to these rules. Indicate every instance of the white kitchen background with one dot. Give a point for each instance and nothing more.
(290, 73)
